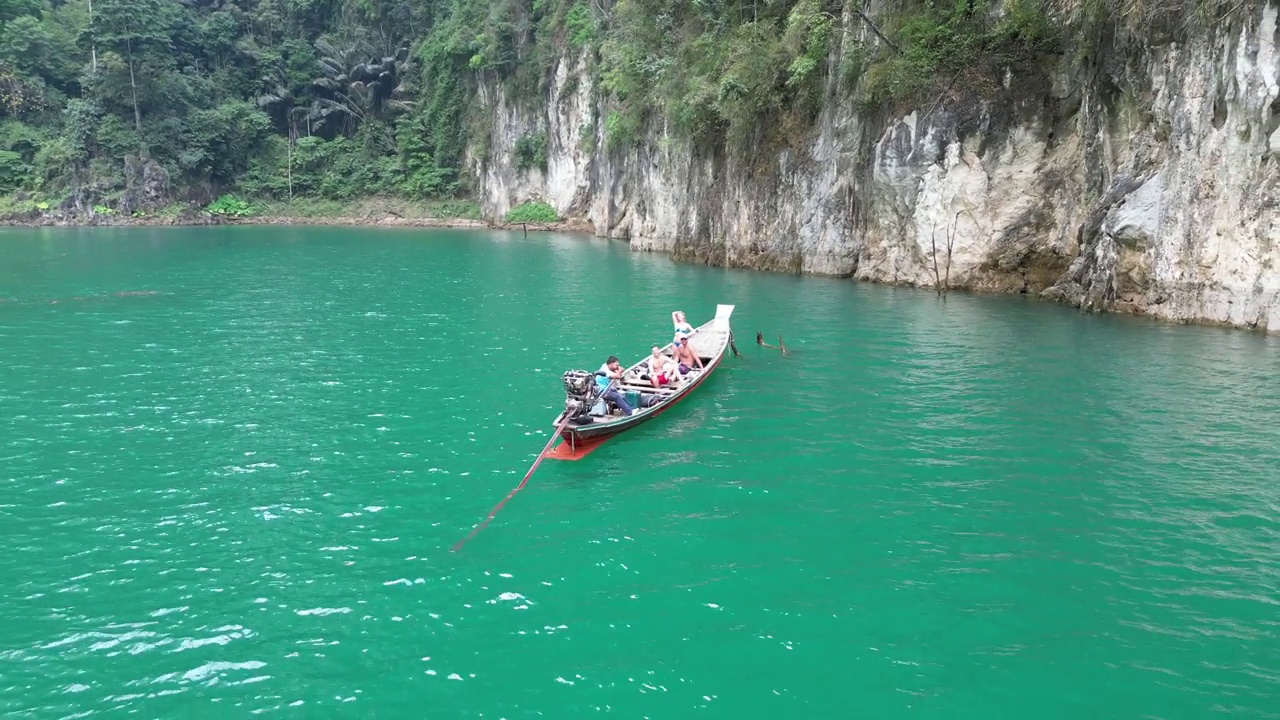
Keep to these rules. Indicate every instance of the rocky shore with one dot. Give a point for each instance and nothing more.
(194, 217)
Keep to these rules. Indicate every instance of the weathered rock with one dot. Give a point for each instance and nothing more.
(1147, 183)
(146, 186)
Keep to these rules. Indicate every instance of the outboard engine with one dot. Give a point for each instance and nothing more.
(581, 392)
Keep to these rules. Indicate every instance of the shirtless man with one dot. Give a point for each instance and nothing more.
(662, 369)
(685, 356)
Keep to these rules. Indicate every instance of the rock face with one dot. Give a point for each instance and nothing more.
(1144, 186)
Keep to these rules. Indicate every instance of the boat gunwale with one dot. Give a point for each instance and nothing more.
(614, 426)
(617, 425)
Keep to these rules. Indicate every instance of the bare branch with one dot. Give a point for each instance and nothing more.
(600, 9)
(951, 241)
(941, 95)
(876, 30)
(863, 16)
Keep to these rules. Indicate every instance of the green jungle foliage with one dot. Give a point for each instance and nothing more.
(134, 104)
(230, 205)
(128, 104)
(532, 212)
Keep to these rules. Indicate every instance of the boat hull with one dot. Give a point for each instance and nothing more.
(601, 430)
(579, 440)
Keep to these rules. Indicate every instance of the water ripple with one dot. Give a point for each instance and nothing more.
(240, 490)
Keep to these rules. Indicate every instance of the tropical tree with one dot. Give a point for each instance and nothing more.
(358, 90)
(139, 33)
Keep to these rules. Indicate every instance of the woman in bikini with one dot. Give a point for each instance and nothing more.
(682, 326)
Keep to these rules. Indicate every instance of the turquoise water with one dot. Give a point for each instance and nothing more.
(232, 462)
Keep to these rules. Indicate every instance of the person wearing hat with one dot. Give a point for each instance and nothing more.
(685, 356)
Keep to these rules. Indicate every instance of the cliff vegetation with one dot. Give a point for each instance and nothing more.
(127, 106)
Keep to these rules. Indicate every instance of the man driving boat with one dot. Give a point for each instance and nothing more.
(612, 370)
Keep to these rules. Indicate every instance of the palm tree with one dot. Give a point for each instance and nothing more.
(359, 90)
(278, 94)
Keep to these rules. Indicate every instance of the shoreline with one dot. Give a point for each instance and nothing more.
(385, 218)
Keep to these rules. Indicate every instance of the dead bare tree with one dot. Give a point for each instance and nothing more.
(951, 241)
(933, 245)
(944, 283)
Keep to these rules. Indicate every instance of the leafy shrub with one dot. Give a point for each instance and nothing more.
(230, 205)
(459, 209)
(938, 42)
(531, 152)
(581, 26)
(533, 212)
(13, 171)
(10, 205)
(621, 129)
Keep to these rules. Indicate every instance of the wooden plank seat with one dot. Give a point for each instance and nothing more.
(649, 389)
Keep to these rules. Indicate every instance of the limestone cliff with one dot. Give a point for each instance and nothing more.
(1144, 184)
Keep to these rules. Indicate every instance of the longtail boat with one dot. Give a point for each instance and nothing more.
(587, 421)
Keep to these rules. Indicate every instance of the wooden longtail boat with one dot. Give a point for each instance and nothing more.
(587, 421)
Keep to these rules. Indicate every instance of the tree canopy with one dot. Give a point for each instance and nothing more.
(135, 102)
(202, 96)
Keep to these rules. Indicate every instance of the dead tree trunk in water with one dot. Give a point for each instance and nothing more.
(951, 241)
(933, 244)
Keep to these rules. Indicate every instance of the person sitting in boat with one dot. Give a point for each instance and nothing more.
(685, 356)
(609, 371)
(682, 326)
(662, 369)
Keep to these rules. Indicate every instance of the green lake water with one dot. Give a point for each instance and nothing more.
(233, 461)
